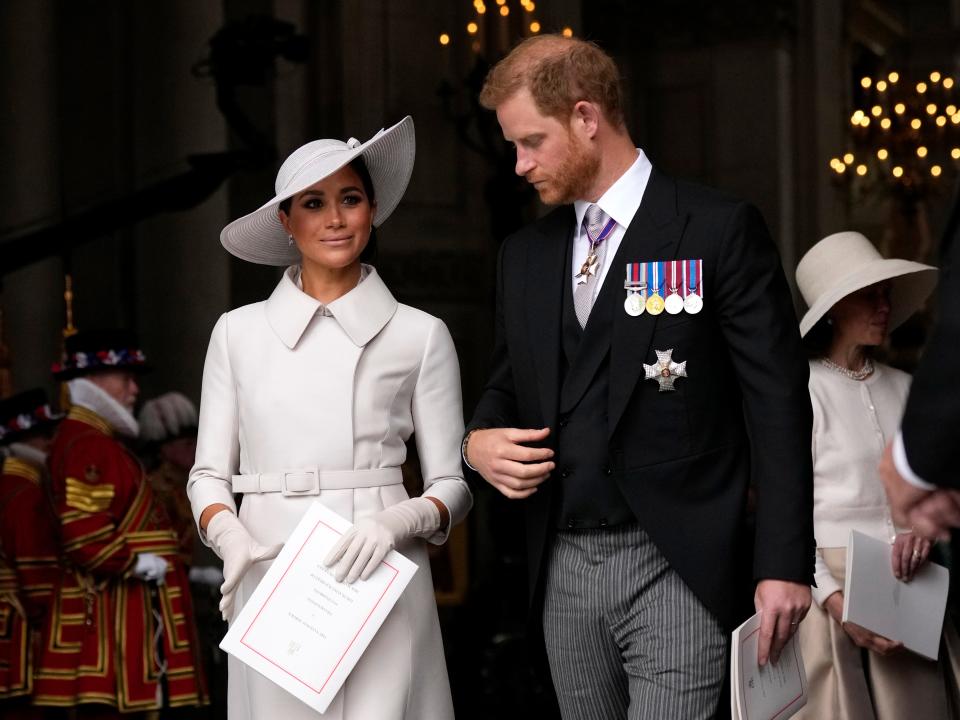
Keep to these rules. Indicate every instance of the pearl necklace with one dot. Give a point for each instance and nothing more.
(862, 374)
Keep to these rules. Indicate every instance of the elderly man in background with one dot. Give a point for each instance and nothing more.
(128, 612)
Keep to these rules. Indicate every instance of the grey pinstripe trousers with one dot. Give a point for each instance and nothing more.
(625, 636)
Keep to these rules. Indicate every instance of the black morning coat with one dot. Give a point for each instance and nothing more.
(683, 460)
(931, 421)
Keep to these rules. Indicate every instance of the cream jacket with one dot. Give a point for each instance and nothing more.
(292, 384)
(853, 420)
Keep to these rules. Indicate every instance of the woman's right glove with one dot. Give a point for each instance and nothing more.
(238, 550)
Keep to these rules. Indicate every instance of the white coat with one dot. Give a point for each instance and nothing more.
(290, 383)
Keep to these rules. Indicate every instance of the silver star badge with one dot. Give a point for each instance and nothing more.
(666, 371)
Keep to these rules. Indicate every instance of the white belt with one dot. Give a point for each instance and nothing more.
(310, 481)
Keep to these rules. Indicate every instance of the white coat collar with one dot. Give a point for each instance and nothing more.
(362, 313)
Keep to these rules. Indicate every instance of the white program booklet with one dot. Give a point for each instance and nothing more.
(301, 628)
(910, 613)
(768, 692)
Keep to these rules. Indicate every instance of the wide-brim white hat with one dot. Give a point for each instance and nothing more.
(260, 238)
(845, 262)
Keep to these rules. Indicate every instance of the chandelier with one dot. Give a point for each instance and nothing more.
(493, 30)
(904, 136)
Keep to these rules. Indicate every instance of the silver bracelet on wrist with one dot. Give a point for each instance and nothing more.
(463, 450)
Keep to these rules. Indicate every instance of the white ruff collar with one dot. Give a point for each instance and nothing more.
(94, 398)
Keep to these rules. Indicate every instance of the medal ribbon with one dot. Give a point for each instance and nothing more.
(694, 277)
(604, 234)
(658, 277)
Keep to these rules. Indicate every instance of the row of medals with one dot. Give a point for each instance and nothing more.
(637, 301)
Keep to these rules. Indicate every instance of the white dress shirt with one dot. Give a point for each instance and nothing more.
(620, 202)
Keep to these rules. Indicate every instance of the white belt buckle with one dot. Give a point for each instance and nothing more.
(300, 482)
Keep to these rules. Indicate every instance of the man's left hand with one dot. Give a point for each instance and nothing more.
(782, 604)
(933, 516)
(902, 495)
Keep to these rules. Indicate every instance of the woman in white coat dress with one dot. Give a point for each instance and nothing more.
(311, 395)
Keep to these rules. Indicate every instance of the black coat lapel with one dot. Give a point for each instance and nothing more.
(654, 234)
(654, 229)
(595, 340)
(545, 274)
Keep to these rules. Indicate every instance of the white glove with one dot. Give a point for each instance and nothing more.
(165, 417)
(363, 547)
(206, 575)
(239, 551)
(150, 567)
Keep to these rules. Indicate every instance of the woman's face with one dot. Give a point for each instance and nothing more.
(330, 221)
(861, 318)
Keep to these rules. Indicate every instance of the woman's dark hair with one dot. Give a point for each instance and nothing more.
(817, 340)
(369, 254)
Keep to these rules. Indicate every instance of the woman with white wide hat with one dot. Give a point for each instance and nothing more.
(855, 298)
(310, 396)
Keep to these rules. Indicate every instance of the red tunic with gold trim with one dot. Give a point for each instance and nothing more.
(29, 573)
(102, 648)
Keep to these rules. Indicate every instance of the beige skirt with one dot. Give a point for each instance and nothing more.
(847, 683)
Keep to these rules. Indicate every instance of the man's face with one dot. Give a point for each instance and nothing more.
(121, 385)
(552, 157)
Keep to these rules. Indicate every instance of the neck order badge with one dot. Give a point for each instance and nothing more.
(588, 268)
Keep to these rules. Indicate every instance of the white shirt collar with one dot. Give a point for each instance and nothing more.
(362, 313)
(622, 199)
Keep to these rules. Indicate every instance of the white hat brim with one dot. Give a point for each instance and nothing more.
(912, 283)
(259, 237)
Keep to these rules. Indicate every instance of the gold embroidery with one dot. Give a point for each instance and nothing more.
(90, 418)
(82, 540)
(16, 466)
(89, 498)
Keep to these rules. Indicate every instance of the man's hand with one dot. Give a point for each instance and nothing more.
(512, 468)
(782, 604)
(909, 552)
(902, 495)
(867, 640)
(860, 636)
(933, 516)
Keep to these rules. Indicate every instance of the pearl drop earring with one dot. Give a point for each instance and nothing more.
(289, 239)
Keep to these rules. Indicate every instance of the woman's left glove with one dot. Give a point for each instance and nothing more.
(239, 551)
(363, 547)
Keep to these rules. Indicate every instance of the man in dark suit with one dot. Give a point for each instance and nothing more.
(921, 467)
(636, 494)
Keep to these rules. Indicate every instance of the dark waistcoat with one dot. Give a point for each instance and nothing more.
(588, 496)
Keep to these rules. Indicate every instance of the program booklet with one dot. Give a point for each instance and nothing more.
(769, 692)
(304, 630)
(907, 612)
